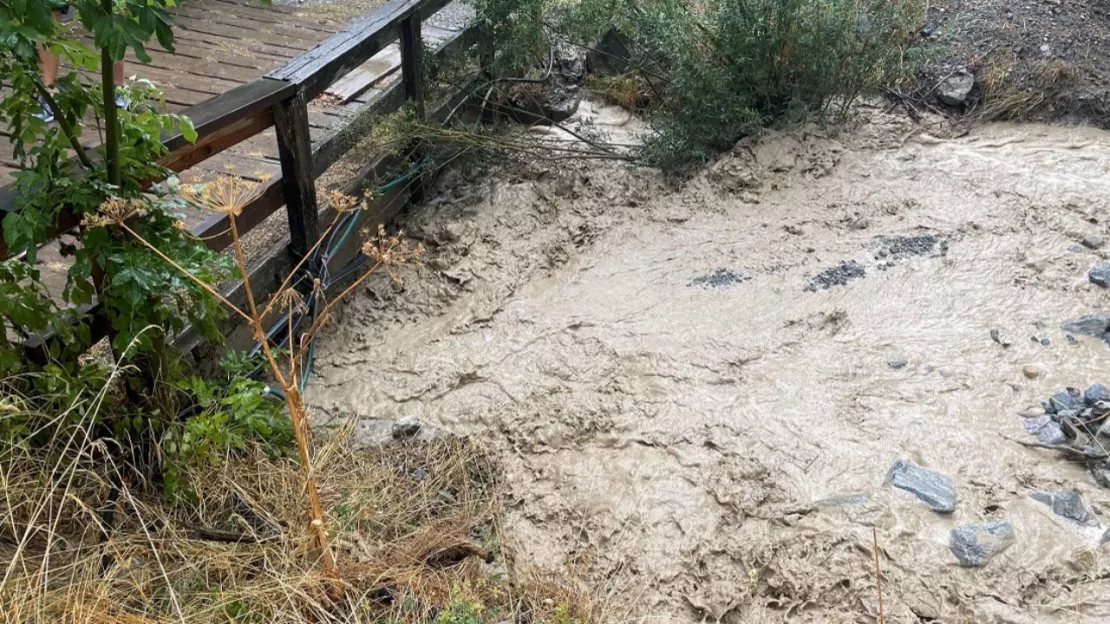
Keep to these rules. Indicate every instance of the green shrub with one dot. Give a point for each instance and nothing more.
(737, 66)
(718, 70)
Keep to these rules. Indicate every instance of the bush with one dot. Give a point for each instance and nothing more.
(714, 71)
(737, 66)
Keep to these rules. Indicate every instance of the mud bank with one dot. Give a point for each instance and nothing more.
(672, 396)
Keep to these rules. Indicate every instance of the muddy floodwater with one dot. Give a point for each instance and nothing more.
(679, 378)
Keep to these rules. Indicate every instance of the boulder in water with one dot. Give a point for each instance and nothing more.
(976, 544)
(932, 488)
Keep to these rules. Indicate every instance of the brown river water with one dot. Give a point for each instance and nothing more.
(670, 401)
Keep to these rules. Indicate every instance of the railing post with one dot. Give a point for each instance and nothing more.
(298, 185)
(412, 61)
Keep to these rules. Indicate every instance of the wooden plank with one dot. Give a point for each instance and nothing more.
(316, 69)
(294, 140)
(213, 143)
(365, 76)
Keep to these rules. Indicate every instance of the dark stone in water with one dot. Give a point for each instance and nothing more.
(976, 544)
(720, 277)
(1070, 399)
(1100, 274)
(1046, 429)
(1094, 325)
(1067, 504)
(896, 364)
(932, 488)
(838, 275)
(997, 337)
(1095, 393)
(1045, 342)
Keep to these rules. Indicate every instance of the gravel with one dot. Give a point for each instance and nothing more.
(838, 275)
(718, 278)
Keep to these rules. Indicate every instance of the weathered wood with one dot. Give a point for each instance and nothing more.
(328, 61)
(218, 141)
(295, 149)
(379, 66)
(412, 62)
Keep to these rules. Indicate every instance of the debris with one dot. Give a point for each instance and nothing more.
(997, 337)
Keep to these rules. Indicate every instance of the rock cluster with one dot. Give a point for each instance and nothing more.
(1075, 423)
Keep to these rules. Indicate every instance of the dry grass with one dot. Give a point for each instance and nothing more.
(412, 526)
(1005, 97)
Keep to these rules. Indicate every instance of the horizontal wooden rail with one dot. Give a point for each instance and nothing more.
(316, 69)
(221, 122)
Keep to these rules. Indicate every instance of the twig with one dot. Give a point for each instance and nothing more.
(878, 576)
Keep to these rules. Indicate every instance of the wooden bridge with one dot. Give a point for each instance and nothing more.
(271, 90)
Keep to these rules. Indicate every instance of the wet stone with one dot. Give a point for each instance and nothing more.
(1100, 274)
(976, 544)
(897, 364)
(1093, 241)
(1095, 393)
(1069, 400)
(1067, 504)
(955, 89)
(932, 488)
(838, 275)
(997, 337)
(406, 427)
(718, 278)
(1094, 325)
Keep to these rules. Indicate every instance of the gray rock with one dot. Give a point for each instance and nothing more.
(406, 427)
(1069, 400)
(1067, 504)
(371, 432)
(847, 499)
(1100, 472)
(1105, 537)
(976, 544)
(1095, 393)
(932, 488)
(955, 89)
(1094, 325)
(1093, 241)
(997, 337)
(1052, 434)
(1100, 274)
(896, 364)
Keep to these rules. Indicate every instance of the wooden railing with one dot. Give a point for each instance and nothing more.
(280, 100)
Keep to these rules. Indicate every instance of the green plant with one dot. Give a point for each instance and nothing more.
(733, 67)
(62, 181)
(224, 416)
